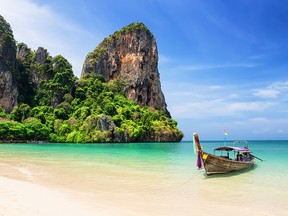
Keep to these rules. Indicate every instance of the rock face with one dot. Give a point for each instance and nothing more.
(130, 54)
(45, 86)
(8, 87)
(43, 79)
(24, 83)
(45, 73)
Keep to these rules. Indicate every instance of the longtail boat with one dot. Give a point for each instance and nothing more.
(228, 159)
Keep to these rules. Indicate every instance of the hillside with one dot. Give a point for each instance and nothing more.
(131, 54)
(41, 99)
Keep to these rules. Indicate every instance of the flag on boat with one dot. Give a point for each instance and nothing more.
(225, 136)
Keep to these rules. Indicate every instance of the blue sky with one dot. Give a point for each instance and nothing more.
(223, 64)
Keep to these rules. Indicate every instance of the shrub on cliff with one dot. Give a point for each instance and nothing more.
(55, 106)
(94, 114)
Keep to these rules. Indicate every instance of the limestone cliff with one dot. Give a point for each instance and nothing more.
(130, 54)
(41, 68)
(43, 79)
(8, 88)
(25, 85)
(86, 110)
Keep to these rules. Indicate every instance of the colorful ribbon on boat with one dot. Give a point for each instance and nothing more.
(197, 150)
(199, 160)
(196, 143)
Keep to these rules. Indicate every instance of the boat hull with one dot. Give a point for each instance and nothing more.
(215, 164)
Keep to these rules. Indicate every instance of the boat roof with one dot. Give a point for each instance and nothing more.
(231, 148)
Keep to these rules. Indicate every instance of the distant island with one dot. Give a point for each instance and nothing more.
(118, 97)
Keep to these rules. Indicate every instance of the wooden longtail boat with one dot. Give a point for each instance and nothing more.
(223, 162)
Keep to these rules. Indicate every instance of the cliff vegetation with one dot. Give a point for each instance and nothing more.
(53, 105)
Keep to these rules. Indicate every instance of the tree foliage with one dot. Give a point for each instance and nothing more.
(60, 108)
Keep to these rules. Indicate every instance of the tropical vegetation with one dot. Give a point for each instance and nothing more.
(55, 106)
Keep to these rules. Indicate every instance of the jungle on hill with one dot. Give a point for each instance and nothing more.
(53, 105)
(87, 109)
(94, 111)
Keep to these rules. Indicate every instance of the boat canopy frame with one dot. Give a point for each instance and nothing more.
(235, 149)
(231, 148)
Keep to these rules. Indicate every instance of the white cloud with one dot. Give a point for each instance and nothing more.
(259, 56)
(233, 96)
(261, 127)
(258, 120)
(274, 90)
(215, 87)
(38, 25)
(248, 106)
(196, 101)
(163, 59)
(216, 108)
(281, 86)
(266, 93)
(200, 67)
(271, 127)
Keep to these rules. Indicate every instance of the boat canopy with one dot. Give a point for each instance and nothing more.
(231, 148)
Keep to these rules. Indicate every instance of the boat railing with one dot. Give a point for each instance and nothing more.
(240, 142)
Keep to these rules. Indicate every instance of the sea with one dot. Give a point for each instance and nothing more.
(154, 178)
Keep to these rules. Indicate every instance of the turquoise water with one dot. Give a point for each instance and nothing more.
(156, 178)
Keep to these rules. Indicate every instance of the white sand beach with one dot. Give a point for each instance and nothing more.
(91, 181)
(20, 198)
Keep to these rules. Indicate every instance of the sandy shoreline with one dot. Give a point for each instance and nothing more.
(21, 198)
(93, 180)
(28, 199)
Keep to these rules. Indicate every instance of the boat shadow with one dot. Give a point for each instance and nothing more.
(232, 174)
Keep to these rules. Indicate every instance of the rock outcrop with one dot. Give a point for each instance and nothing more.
(26, 87)
(130, 54)
(44, 72)
(43, 79)
(35, 84)
(8, 87)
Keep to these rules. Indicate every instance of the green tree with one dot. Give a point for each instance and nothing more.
(109, 109)
(12, 130)
(2, 112)
(4, 130)
(42, 113)
(20, 112)
(36, 130)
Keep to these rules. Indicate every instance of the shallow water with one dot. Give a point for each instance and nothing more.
(153, 178)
